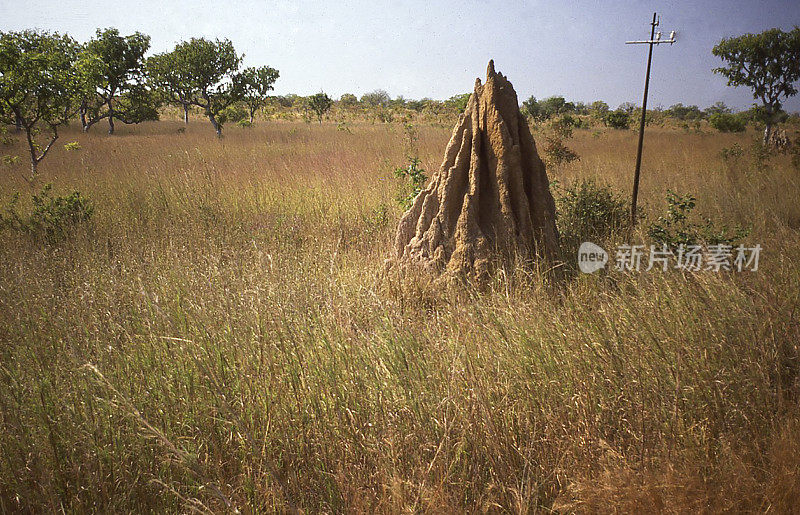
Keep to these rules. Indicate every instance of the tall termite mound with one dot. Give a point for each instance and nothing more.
(490, 201)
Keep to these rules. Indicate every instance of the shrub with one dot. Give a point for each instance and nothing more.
(416, 178)
(10, 160)
(732, 154)
(5, 139)
(245, 124)
(727, 122)
(676, 227)
(568, 120)
(794, 151)
(51, 218)
(556, 153)
(376, 98)
(235, 113)
(587, 211)
(761, 153)
(74, 145)
(458, 102)
(617, 119)
(348, 100)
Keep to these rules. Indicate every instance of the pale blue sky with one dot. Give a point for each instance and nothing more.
(416, 48)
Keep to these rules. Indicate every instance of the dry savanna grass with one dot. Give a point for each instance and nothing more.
(224, 334)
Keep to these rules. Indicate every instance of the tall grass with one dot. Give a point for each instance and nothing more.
(225, 335)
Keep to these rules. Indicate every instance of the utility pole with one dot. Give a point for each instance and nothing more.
(655, 39)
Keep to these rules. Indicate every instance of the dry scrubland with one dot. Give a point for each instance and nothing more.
(250, 349)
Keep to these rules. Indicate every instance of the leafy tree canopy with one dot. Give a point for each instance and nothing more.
(256, 84)
(768, 63)
(320, 103)
(117, 74)
(41, 79)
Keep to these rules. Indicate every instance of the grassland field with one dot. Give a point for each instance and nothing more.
(224, 335)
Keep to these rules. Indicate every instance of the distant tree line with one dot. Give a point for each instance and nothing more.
(48, 79)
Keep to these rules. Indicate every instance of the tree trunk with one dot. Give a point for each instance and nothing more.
(217, 126)
(186, 114)
(17, 123)
(110, 117)
(252, 117)
(32, 150)
(767, 133)
(34, 166)
(84, 124)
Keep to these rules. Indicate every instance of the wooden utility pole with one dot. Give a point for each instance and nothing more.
(654, 40)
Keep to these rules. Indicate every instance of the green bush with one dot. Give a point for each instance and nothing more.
(727, 122)
(416, 179)
(556, 152)
(617, 119)
(51, 218)
(235, 113)
(676, 227)
(572, 121)
(587, 211)
(732, 154)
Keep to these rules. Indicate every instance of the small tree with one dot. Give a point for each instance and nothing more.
(531, 108)
(376, 98)
(618, 119)
(598, 109)
(768, 63)
(628, 107)
(717, 108)
(118, 80)
(348, 100)
(167, 73)
(320, 103)
(685, 113)
(209, 69)
(458, 102)
(256, 84)
(40, 81)
(727, 122)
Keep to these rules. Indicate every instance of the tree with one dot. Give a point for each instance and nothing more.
(531, 108)
(418, 105)
(685, 113)
(555, 105)
(348, 100)
(618, 119)
(376, 98)
(628, 107)
(118, 78)
(40, 84)
(727, 122)
(547, 108)
(256, 84)
(717, 108)
(320, 103)
(598, 109)
(768, 63)
(167, 73)
(210, 71)
(458, 102)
